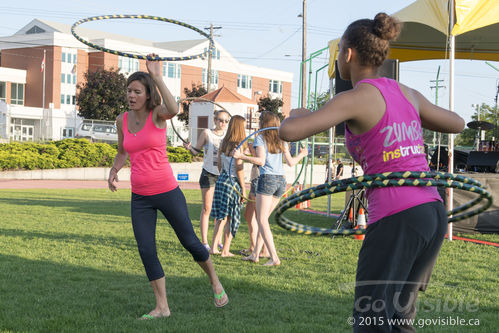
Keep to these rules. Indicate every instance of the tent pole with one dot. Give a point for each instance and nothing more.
(452, 50)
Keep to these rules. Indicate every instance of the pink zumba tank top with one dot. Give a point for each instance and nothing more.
(395, 143)
(151, 173)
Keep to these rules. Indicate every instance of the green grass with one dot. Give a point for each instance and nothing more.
(69, 263)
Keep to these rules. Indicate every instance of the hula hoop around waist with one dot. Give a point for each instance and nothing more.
(408, 178)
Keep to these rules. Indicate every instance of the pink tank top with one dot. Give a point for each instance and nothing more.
(395, 143)
(151, 172)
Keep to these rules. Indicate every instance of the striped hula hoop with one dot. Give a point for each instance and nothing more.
(141, 17)
(387, 179)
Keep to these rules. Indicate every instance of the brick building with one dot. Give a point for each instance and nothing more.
(65, 60)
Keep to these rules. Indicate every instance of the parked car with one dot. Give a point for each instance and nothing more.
(97, 132)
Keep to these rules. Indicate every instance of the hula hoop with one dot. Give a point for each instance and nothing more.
(142, 17)
(239, 146)
(408, 178)
(189, 99)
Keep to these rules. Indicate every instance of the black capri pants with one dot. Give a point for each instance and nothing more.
(395, 263)
(144, 216)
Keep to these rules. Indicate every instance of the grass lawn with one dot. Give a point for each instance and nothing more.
(69, 263)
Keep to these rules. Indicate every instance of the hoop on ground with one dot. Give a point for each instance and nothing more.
(141, 17)
(387, 179)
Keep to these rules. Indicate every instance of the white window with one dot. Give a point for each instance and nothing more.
(62, 99)
(63, 57)
(128, 65)
(3, 87)
(17, 93)
(214, 77)
(68, 132)
(275, 86)
(244, 81)
(63, 78)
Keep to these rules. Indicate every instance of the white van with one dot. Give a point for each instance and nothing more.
(97, 132)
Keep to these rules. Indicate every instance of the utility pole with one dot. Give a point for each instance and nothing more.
(303, 56)
(496, 133)
(210, 54)
(436, 86)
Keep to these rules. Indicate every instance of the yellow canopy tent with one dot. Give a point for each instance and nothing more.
(425, 32)
(444, 29)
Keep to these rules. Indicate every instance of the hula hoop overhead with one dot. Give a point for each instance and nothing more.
(408, 178)
(141, 17)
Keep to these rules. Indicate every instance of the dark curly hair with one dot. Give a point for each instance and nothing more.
(371, 38)
(144, 78)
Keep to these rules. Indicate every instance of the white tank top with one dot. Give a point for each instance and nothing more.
(211, 152)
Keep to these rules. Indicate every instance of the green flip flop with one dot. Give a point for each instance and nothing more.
(219, 297)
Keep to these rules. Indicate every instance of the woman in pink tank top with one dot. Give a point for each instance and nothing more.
(142, 138)
(383, 133)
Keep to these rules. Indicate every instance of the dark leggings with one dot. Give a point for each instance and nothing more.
(395, 262)
(144, 215)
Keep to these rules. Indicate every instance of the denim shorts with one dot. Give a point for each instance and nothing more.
(274, 185)
(254, 184)
(207, 179)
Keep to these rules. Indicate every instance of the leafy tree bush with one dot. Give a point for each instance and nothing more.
(102, 95)
(68, 153)
(196, 91)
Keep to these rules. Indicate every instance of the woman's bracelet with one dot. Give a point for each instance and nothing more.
(114, 169)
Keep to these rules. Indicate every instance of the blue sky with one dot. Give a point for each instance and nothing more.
(264, 33)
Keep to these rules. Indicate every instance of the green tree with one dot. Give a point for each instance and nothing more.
(271, 104)
(469, 135)
(196, 91)
(102, 95)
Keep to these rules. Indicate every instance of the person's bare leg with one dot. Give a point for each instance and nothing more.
(161, 309)
(228, 239)
(265, 204)
(250, 217)
(217, 235)
(217, 287)
(204, 219)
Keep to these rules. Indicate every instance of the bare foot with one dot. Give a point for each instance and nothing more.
(228, 254)
(214, 252)
(272, 263)
(156, 314)
(250, 258)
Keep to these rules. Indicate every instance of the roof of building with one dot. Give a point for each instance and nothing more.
(226, 95)
(180, 45)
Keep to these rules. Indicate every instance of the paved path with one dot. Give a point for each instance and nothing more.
(71, 184)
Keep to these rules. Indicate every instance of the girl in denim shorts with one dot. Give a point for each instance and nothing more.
(271, 182)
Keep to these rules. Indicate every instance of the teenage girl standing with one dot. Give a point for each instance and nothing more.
(271, 182)
(227, 202)
(209, 140)
(384, 120)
